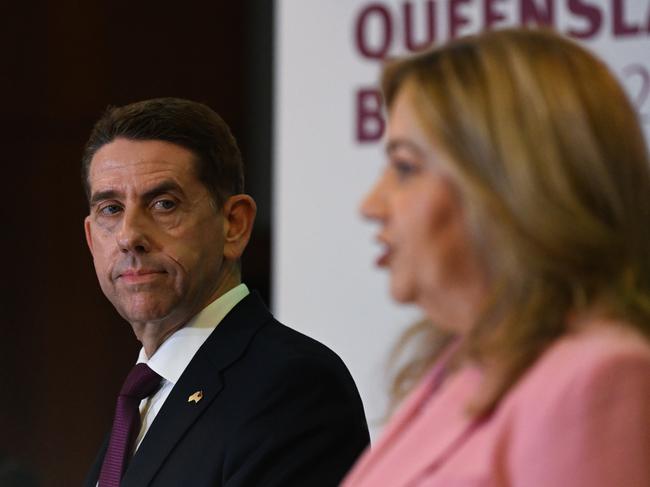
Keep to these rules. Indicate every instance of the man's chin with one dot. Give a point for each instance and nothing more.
(144, 302)
(141, 315)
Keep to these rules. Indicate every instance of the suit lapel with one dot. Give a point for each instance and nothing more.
(225, 345)
(93, 474)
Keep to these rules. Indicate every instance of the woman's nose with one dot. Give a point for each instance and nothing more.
(373, 205)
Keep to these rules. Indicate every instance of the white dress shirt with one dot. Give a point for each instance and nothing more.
(175, 353)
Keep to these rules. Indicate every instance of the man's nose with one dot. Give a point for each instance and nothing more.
(134, 234)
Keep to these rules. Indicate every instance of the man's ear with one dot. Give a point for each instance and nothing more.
(89, 235)
(238, 217)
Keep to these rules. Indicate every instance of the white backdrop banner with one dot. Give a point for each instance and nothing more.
(328, 126)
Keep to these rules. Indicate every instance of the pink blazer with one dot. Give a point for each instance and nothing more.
(580, 417)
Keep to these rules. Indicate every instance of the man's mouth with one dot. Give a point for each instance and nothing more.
(139, 276)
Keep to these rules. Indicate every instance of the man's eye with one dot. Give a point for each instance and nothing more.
(164, 205)
(109, 210)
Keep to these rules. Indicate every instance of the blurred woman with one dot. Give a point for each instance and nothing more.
(515, 212)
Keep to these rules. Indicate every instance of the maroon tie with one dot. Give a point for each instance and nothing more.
(140, 383)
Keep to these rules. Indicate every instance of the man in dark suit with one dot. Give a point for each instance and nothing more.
(223, 394)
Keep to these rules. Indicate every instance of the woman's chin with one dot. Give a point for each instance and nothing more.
(401, 294)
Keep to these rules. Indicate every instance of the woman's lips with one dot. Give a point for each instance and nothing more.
(384, 258)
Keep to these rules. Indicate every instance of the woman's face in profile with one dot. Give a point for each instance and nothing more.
(426, 246)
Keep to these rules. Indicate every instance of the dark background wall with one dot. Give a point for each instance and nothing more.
(63, 350)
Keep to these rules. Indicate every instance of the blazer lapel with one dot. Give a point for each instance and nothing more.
(425, 431)
(225, 345)
(444, 425)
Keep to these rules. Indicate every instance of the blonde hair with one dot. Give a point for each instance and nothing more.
(552, 167)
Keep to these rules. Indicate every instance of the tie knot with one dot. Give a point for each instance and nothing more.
(141, 382)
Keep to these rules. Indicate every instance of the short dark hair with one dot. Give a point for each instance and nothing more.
(189, 124)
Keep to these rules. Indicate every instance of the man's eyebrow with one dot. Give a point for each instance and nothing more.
(161, 188)
(108, 194)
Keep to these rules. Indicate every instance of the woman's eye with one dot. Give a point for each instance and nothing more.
(404, 168)
(164, 205)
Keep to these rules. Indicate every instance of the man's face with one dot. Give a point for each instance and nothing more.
(156, 238)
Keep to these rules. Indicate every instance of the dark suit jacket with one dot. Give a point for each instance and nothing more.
(278, 409)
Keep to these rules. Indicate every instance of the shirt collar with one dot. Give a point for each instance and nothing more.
(174, 354)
